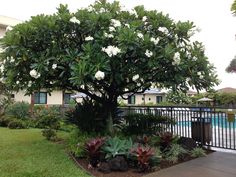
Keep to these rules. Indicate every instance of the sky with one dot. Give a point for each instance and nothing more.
(213, 17)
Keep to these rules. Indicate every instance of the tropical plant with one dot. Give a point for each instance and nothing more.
(116, 147)
(104, 52)
(198, 152)
(19, 110)
(144, 154)
(166, 139)
(93, 148)
(175, 152)
(148, 124)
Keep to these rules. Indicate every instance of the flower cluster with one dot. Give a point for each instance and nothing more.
(33, 73)
(74, 20)
(89, 38)
(115, 23)
(108, 35)
(148, 53)
(176, 59)
(111, 50)
(135, 77)
(99, 75)
(111, 29)
(9, 28)
(200, 75)
(2, 68)
(140, 35)
(133, 12)
(54, 66)
(155, 40)
(163, 30)
(144, 18)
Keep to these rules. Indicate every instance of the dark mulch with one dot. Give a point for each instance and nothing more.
(83, 163)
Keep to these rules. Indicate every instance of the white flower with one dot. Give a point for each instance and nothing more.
(155, 40)
(29, 83)
(144, 18)
(148, 53)
(199, 74)
(140, 35)
(194, 58)
(111, 50)
(99, 75)
(17, 82)
(135, 77)
(74, 20)
(89, 38)
(82, 86)
(12, 60)
(133, 12)
(90, 9)
(127, 25)
(33, 73)
(108, 35)
(138, 84)
(51, 82)
(102, 10)
(2, 68)
(9, 28)
(115, 23)
(54, 66)
(111, 29)
(163, 30)
(176, 59)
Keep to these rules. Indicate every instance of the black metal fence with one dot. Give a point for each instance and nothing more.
(206, 125)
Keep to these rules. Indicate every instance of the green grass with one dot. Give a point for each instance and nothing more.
(25, 153)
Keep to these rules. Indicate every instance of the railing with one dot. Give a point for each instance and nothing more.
(204, 124)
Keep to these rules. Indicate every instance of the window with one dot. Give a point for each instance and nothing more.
(67, 98)
(149, 99)
(159, 99)
(12, 96)
(40, 98)
(131, 100)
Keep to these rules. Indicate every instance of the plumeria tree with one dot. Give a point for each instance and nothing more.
(105, 52)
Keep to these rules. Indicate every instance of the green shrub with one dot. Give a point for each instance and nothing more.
(198, 152)
(4, 121)
(50, 134)
(17, 124)
(115, 146)
(175, 152)
(76, 142)
(19, 110)
(47, 117)
(88, 116)
(149, 124)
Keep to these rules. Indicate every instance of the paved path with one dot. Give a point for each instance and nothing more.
(217, 164)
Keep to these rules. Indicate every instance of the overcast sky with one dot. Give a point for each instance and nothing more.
(213, 17)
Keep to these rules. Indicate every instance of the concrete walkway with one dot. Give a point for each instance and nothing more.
(217, 164)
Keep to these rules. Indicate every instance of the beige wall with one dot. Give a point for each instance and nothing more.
(2, 31)
(20, 96)
(139, 101)
(55, 98)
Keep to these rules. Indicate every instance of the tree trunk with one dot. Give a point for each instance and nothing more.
(110, 108)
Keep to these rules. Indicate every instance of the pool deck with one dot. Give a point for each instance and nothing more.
(217, 164)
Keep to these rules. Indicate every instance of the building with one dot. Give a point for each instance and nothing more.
(149, 97)
(227, 90)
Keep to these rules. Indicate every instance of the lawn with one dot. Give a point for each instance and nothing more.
(25, 153)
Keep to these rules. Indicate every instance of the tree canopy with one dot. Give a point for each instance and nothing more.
(105, 52)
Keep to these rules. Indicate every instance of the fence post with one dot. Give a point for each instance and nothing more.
(171, 118)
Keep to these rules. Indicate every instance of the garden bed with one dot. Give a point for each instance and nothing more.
(132, 172)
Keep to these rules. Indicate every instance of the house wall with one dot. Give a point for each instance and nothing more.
(20, 96)
(56, 98)
(2, 31)
(139, 100)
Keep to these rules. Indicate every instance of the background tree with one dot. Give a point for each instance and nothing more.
(233, 7)
(104, 52)
(178, 97)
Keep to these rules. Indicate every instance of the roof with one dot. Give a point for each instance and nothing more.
(204, 99)
(227, 90)
(8, 21)
(153, 91)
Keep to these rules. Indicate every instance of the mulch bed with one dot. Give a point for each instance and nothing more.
(83, 163)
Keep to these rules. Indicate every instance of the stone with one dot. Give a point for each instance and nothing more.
(118, 164)
(104, 167)
(187, 143)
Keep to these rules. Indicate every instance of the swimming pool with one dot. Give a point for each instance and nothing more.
(216, 121)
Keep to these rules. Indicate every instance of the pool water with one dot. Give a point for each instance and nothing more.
(221, 122)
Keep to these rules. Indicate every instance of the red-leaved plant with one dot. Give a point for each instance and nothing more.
(144, 155)
(166, 139)
(93, 148)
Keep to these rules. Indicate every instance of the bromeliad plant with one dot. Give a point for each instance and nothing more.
(166, 139)
(144, 156)
(93, 148)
